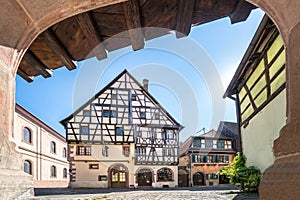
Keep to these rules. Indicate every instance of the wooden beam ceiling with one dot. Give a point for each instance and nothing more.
(185, 10)
(58, 49)
(33, 61)
(241, 12)
(27, 78)
(116, 26)
(133, 21)
(88, 28)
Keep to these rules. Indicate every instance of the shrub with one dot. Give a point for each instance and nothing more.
(247, 177)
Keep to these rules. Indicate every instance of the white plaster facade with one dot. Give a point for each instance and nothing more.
(37, 150)
(261, 132)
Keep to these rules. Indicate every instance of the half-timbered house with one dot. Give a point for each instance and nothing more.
(122, 137)
(258, 88)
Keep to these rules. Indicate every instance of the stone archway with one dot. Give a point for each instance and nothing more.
(22, 22)
(118, 176)
(144, 177)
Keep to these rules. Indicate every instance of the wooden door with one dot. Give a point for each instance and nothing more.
(198, 179)
(118, 179)
(145, 178)
(183, 180)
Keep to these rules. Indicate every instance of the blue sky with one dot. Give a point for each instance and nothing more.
(187, 76)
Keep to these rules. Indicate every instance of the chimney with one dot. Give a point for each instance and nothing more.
(145, 84)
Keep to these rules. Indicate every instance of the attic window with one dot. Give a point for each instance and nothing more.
(197, 143)
(208, 143)
(133, 97)
(86, 113)
(142, 115)
(109, 113)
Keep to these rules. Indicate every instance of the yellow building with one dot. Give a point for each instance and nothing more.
(258, 87)
(43, 150)
(122, 138)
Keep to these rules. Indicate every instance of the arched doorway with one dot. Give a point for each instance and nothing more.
(118, 176)
(198, 179)
(183, 178)
(144, 177)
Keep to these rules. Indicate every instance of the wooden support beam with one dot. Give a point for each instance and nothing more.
(32, 60)
(132, 17)
(87, 26)
(185, 10)
(57, 48)
(21, 73)
(241, 11)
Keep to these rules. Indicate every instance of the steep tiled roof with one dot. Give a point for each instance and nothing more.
(226, 131)
(184, 147)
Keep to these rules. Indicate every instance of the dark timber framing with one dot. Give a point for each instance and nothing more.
(31, 59)
(132, 17)
(58, 49)
(88, 28)
(256, 54)
(122, 113)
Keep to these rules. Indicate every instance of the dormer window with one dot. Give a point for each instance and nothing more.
(208, 143)
(220, 144)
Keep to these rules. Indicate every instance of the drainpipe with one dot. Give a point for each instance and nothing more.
(238, 117)
(191, 178)
(238, 114)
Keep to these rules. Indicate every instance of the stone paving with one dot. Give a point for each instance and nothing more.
(205, 193)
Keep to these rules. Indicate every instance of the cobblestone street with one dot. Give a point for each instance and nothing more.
(208, 193)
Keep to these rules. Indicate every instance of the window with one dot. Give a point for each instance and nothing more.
(164, 174)
(102, 178)
(27, 167)
(210, 158)
(84, 151)
(27, 136)
(196, 143)
(65, 173)
(220, 144)
(170, 135)
(168, 152)
(109, 113)
(212, 176)
(133, 97)
(64, 152)
(93, 166)
(53, 171)
(119, 131)
(156, 115)
(105, 150)
(52, 147)
(208, 143)
(126, 151)
(141, 151)
(143, 115)
(86, 113)
(226, 159)
(84, 130)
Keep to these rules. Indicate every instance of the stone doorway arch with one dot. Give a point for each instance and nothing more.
(118, 176)
(198, 179)
(22, 21)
